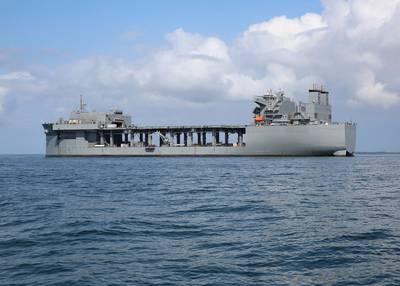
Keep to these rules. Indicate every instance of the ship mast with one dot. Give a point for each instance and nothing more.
(82, 104)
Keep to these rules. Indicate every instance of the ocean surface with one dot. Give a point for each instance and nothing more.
(200, 221)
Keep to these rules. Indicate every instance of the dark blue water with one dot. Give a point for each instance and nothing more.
(200, 221)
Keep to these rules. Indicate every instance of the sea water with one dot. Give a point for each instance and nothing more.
(200, 221)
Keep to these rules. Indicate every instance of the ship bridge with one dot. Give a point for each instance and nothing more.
(277, 109)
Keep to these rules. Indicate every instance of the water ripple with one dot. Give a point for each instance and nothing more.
(200, 221)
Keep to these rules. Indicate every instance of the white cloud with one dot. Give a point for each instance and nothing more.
(335, 48)
(19, 80)
(283, 33)
(374, 92)
(191, 68)
(22, 85)
(17, 76)
(95, 73)
(187, 44)
(3, 92)
(351, 47)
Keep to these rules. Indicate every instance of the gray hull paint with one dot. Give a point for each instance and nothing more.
(290, 140)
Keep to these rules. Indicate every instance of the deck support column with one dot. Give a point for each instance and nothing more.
(101, 137)
(111, 139)
(132, 139)
(198, 138)
(240, 138)
(146, 139)
(190, 139)
(226, 138)
(214, 137)
(185, 138)
(204, 138)
(178, 138)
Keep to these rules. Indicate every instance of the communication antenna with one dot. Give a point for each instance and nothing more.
(82, 104)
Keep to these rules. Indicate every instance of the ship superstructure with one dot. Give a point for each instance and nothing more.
(280, 127)
(277, 109)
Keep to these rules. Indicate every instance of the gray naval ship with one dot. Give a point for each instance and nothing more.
(280, 127)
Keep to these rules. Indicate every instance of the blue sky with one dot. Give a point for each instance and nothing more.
(86, 28)
(139, 55)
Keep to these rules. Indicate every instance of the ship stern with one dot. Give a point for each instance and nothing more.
(350, 138)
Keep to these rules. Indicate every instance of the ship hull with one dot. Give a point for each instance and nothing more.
(289, 140)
